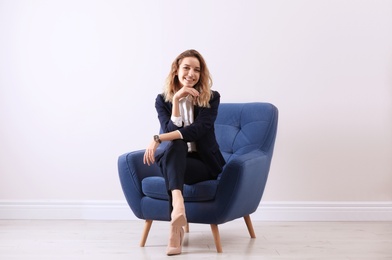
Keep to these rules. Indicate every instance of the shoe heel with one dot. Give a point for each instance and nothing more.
(178, 221)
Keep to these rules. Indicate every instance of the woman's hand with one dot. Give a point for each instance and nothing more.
(149, 154)
(185, 91)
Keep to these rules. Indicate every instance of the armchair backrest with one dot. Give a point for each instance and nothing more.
(244, 127)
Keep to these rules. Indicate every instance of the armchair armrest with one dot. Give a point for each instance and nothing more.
(131, 172)
(242, 185)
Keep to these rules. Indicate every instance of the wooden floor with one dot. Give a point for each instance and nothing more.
(111, 240)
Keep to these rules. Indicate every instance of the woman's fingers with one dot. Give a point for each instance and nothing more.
(149, 157)
(145, 159)
(192, 91)
(184, 91)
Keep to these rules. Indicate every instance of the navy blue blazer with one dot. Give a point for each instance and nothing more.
(201, 131)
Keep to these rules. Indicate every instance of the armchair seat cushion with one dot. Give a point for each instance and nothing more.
(155, 187)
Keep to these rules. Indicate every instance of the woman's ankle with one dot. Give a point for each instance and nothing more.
(177, 199)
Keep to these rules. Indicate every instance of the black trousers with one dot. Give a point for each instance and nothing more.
(180, 167)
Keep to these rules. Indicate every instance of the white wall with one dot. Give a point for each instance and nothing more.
(78, 81)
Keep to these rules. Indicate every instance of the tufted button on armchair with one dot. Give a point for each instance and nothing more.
(246, 135)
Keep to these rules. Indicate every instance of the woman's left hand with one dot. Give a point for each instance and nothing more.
(149, 154)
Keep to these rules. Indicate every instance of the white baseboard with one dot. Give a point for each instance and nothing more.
(324, 211)
(267, 211)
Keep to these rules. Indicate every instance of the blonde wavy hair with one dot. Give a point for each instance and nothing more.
(204, 84)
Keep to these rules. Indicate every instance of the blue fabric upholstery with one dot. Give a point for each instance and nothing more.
(246, 135)
(155, 187)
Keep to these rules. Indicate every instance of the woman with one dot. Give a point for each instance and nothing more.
(186, 111)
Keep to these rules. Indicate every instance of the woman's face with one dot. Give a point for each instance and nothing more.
(189, 72)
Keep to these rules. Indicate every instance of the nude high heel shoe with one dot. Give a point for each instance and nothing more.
(178, 218)
(176, 237)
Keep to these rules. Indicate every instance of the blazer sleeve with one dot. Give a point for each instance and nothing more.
(204, 120)
(164, 110)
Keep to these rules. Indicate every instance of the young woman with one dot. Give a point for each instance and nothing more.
(186, 111)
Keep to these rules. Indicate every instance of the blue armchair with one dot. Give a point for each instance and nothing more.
(246, 135)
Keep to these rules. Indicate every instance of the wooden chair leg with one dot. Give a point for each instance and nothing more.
(250, 226)
(146, 230)
(215, 233)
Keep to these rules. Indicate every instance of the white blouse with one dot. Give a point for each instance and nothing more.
(186, 117)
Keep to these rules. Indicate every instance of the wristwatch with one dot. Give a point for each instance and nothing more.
(156, 139)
